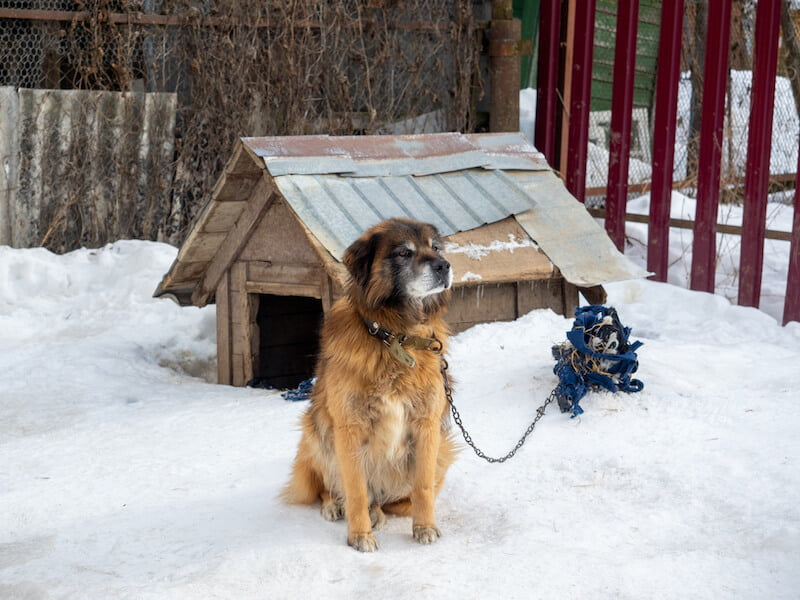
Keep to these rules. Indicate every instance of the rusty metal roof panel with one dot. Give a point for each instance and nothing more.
(395, 156)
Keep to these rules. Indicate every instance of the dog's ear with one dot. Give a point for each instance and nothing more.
(358, 258)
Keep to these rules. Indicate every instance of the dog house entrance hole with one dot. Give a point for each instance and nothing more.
(288, 329)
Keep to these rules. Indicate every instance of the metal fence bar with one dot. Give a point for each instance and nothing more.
(665, 122)
(580, 99)
(547, 79)
(621, 120)
(791, 307)
(759, 146)
(710, 153)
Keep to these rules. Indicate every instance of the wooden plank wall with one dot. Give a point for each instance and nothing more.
(483, 303)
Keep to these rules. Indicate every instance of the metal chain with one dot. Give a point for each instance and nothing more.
(467, 438)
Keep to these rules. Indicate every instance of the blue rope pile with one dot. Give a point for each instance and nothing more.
(597, 354)
(301, 392)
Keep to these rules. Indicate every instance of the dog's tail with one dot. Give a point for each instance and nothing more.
(304, 486)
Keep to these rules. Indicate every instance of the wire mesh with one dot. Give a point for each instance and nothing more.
(252, 67)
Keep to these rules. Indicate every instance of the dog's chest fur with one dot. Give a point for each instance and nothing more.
(391, 430)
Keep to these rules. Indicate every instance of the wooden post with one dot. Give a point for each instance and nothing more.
(505, 34)
(224, 326)
(621, 119)
(710, 155)
(566, 56)
(664, 125)
(759, 147)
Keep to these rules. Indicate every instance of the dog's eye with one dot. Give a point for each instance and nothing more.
(404, 252)
(436, 247)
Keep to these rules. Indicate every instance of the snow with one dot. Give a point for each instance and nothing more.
(126, 473)
(776, 252)
(479, 251)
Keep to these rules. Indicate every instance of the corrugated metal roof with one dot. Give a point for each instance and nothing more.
(456, 182)
(340, 186)
(337, 209)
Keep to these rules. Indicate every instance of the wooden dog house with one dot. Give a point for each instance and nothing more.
(267, 246)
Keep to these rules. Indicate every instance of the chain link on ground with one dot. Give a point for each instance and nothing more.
(467, 438)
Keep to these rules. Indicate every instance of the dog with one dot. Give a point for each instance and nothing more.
(376, 437)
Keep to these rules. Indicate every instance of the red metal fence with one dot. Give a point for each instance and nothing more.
(577, 91)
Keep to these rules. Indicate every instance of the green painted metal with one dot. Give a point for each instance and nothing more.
(646, 53)
(527, 11)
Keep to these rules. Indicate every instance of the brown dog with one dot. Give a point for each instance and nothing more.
(375, 437)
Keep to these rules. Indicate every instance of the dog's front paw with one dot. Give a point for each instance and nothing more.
(332, 510)
(426, 534)
(363, 542)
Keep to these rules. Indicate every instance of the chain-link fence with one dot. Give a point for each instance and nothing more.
(783, 162)
(786, 124)
(245, 68)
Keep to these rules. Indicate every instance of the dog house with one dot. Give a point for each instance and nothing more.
(267, 246)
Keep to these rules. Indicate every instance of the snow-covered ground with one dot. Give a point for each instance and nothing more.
(126, 473)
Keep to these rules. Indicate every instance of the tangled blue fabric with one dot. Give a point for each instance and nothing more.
(596, 354)
(301, 392)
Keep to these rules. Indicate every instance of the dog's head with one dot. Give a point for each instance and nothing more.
(398, 263)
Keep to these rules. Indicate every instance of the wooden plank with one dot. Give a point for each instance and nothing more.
(483, 303)
(280, 238)
(235, 186)
(570, 298)
(269, 272)
(224, 366)
(691, 184)
(222, 216)
(546, 293)
(263, 195)
(284, 289)
(772, 234)
(203, 248)
(243, 324)
(580, 99)
(484, 252)
(326, 293)
(237, 368)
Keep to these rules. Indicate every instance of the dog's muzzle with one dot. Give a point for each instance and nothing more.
(444, 274)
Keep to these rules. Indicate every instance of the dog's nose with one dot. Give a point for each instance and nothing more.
(441, 266)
